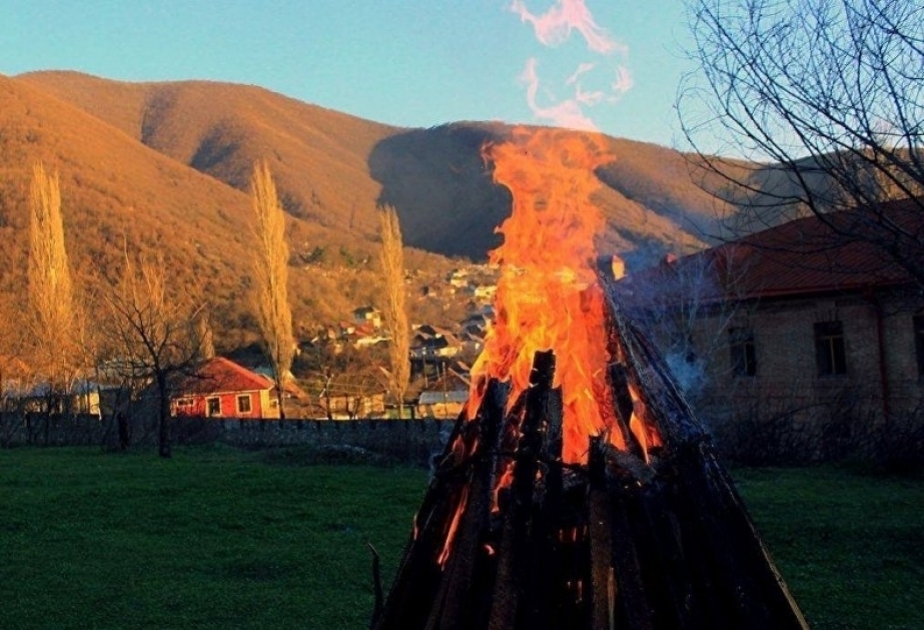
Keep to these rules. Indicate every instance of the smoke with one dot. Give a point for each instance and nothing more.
(567, 113)
(555, 27)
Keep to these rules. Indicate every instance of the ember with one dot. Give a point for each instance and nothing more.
(577, 489)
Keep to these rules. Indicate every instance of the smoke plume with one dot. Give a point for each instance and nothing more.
(555, 27)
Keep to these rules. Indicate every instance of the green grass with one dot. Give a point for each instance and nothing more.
(219, 538)
(209, 539)
(850, 545)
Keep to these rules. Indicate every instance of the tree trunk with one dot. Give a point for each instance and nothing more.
(163, 424)
(280, 397)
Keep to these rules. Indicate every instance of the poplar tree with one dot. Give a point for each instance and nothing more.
(51, 294)
(274, 316)
(392, 259)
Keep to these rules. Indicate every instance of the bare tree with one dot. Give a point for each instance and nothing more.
(395, 310)
(156, 338)
(271, 260)
(826, 100)
(54, 319)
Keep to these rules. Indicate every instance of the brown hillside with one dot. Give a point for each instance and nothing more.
(115, 189)
(333, 168)
(167, 165)
(317, 156)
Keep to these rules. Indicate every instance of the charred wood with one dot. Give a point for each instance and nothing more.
(509, 537)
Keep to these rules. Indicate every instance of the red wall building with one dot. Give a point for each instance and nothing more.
(224, 389)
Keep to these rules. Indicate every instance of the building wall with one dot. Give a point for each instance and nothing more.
(259, 405)
(787, 379)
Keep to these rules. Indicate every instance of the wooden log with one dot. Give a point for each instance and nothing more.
(515, 544)
(625, 542)
(419, 579)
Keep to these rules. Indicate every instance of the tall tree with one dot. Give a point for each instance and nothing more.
(271, 260)
(53, 309)
(826, 98)
(395, 312)
(156, 338)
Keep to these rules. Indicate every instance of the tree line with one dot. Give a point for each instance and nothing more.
(143, 334)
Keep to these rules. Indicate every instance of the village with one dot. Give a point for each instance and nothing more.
(337, 374)
(516, 315)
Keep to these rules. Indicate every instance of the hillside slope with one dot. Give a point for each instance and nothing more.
(332, 168)
(118, 194)
(163, 169)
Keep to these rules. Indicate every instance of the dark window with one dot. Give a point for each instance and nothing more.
(243, 403)
(743, 354)
(213, 406)
(918, 321)
(830, 351)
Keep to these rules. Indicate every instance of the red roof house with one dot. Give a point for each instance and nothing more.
(224, 389)
(809, 315)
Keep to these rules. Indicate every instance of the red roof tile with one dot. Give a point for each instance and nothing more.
(807, 255)
(220, 375)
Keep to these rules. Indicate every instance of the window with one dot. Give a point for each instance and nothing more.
(743, 353)
(830, 351)
(213, 407)
(918, 322)
(243, 403)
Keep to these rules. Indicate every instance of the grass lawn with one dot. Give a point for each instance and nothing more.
(218, 538)
(209, 539)
(850, 545)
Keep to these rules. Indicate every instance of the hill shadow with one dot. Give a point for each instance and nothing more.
(441, 188)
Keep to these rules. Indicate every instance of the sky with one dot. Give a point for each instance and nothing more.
(611, 65)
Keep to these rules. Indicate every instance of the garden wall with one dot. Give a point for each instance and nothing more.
(406, 440)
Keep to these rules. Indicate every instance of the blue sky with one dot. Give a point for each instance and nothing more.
(408, 63)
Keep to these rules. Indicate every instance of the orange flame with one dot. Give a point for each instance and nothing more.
(548, 296)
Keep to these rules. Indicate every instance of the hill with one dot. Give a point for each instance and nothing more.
(165, 167)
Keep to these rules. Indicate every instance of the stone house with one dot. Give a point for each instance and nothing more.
(797, 321)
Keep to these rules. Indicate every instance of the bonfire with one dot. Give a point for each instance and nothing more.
(577, 489)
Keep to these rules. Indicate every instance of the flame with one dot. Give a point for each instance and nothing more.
(643, 430)
(453, 527)
(548, 295)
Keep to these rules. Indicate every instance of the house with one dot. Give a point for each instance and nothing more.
(459, 278)
(344, 406)
(365, 336)
(430, 342)
(367, 315)
(81, 397)
(797, 320)
(221, 388)
(484, 291)
(446, 397)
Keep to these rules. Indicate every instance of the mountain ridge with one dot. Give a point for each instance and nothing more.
(166, 166)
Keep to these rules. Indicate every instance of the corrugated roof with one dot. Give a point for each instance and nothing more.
(436, 398)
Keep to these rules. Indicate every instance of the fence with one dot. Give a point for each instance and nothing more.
(406, 440)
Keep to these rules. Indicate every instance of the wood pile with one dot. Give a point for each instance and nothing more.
(508, 536)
